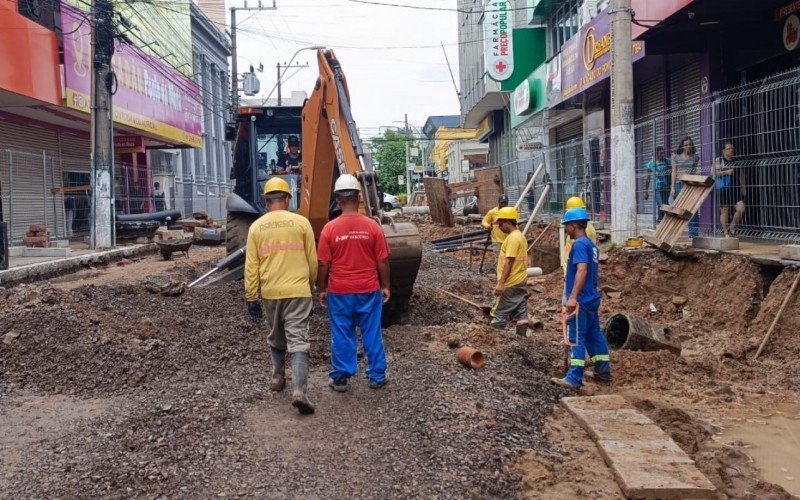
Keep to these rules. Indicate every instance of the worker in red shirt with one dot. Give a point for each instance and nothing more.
(353, 281)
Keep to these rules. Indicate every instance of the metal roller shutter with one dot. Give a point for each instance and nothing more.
(569, 131)
(29, 168)
(684, 83)
(649, 131)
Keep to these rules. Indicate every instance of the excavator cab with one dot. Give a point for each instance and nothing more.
(330, 146)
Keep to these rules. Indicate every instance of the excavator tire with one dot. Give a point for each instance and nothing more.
(236, 229)
(405, 257)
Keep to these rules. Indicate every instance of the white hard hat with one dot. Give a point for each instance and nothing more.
(346, 182)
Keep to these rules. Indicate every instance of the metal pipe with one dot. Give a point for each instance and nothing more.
(529, 186)
(463, 235)
(536, 209)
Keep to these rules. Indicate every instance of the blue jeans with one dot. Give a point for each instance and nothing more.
(584, 330)
(694, 223)
(345, 311)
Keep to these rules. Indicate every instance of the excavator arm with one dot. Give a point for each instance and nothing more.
(332, 147)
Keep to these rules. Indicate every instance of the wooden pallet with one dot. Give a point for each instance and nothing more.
(696, 189)
(438, 201)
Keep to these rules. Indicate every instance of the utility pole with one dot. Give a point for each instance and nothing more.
(408, 160)
(281, 73)
(623, 144)
(234, 62)
(102, 126)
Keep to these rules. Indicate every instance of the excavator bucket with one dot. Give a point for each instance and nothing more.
(405, 257)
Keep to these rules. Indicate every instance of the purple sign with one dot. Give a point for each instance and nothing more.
(586, 57)
(150, 96)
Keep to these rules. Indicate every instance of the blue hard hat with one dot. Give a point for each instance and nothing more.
(575, 215)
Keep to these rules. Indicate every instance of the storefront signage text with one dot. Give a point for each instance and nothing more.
(586, 58)
(498, 22)
(151, 96)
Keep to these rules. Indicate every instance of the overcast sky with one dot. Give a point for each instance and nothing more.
(385, 81)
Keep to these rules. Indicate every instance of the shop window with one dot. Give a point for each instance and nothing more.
(564, 24)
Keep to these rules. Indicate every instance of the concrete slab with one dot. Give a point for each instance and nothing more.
(45, 252)
(646, 462)
(790, 252)
(646, 450)
(719, 244)
(662, 480)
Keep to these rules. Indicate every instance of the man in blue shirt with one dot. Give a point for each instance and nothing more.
(582, 305)
(659, 168)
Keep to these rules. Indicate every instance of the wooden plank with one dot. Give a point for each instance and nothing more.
(661, 245)
(438, 201)
(681, 213)
(698, 180)
(490, 188)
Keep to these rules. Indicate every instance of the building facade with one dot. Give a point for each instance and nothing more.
(198, 179)
(45, 89)
(696, 76)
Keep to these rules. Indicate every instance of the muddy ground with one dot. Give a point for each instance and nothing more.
(113, 383)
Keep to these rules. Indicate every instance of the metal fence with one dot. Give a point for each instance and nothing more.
(39, 188)
(761, 120)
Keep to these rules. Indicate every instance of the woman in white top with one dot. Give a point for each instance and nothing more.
(685, 161)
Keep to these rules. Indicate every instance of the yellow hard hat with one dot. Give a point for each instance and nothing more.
(507, 213)
(275, 185)
(575, 202)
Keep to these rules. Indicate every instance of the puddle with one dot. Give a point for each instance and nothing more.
(773, 442)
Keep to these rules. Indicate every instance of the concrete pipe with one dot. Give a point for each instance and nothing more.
(632, 332)
(415, 210)
(534, 271)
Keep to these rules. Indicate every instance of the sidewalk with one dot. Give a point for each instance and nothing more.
(27, 269)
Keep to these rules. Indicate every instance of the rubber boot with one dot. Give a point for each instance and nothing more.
(522, 329)
(278, 380)
(300, 371)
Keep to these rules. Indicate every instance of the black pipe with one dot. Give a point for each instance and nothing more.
(481, 232)
(158, 216)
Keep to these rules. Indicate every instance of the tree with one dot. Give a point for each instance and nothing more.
(389, 157)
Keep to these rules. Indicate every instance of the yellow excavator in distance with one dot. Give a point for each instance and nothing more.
(331, 147)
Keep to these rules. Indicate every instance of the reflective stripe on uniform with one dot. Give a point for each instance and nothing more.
(577, 362)
(601, 357)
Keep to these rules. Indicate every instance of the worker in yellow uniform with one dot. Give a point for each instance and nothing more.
(280, 268)
(490, 222)
(591, 233)
(512, 295)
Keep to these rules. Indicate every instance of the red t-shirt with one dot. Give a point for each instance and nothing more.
(353, 244)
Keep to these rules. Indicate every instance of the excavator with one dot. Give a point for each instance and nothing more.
(331, 147)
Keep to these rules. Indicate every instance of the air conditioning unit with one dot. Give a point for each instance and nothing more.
(251, 85)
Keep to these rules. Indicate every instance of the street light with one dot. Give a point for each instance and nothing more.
(312, 47)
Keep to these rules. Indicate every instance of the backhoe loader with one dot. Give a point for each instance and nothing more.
(330, 147)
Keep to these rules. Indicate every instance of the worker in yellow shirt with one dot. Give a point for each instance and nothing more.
(512, 295)
(490, 222)
(280, 268)
(576, 202)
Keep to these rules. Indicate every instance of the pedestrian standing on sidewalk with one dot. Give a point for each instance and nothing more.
(583, 305)
(280, 268)
(658, 168)
(490, 222)
(353, 283)
(685, 161)
(512, 272)
(731, 186)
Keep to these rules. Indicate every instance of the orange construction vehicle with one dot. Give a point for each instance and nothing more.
(330, 147)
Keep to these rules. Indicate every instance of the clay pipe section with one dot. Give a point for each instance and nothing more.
(470, 357)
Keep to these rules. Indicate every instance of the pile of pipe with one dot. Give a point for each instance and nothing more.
(479, 239)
